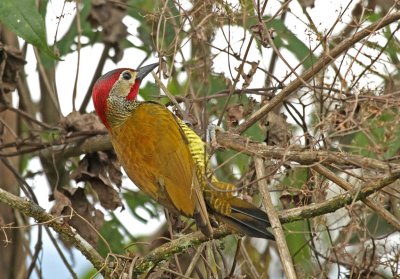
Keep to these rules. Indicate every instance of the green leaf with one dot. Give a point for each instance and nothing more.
(296, 237)
(111, 233)
(136, 200)
(226, 172)
(297, 244)
(23, 18)
(383, 132)
(174, 87)
(147, 30)
(150, 92)
(89, 274)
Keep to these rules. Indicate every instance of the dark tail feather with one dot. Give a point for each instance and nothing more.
(247, 219)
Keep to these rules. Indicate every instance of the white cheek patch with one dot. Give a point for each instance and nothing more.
(122, 87)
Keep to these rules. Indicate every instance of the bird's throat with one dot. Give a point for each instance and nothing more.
(119, 109)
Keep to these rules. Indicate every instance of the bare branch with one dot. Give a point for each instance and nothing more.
(385, 214)
(298, 154)
(191, 240)
(333, 204)
(322, 63)
(68, 233)
(276, 225)
(241, 144)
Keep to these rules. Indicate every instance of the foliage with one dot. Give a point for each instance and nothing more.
(23, 18)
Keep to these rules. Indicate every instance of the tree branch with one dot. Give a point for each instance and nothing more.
(333, 204)
(277, 229)
(79, 147)
(322, 63)
(68, 233)
(298, 154)
(378, 208)
(240, 144)
(191, 240)
(179, 245)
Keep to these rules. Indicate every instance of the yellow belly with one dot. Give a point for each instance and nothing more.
(155, 155)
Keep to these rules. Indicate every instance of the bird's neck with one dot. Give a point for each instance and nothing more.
(119, 109)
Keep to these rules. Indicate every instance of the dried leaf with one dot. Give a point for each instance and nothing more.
(250, 107)
(234, 115)
(260, 32)
(75, 121)
(89, 220)
(108, 197)
(344, 118)
(295, 198)
(249, 76)
(307, 3)
(277, 129)
(61, 202)
(101, 170)
(285, 199)
(114, 169)
(11, 61)
(109, 15)
(163, 68)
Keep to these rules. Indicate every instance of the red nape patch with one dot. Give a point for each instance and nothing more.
(101, 90)
(134, 91)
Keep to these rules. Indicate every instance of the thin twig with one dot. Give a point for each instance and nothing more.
(61, 254)
(191, 240)
(79, 34)
(170, 96)
(322, 63)
(385, 214)
(33, 210)
(235, 258)
(194, 260)
(277, 230)
(248, 261)
(49, 88)
(30, 118)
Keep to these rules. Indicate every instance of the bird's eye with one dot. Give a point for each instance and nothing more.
(126, 76)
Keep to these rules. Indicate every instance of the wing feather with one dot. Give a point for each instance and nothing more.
(155, 154)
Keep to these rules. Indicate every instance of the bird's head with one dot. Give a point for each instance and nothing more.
(121, 84)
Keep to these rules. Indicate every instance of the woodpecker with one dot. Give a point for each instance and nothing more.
(166, 159)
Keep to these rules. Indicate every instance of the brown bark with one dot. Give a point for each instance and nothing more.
(13, 256)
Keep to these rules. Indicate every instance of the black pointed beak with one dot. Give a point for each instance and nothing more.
(145, 70)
